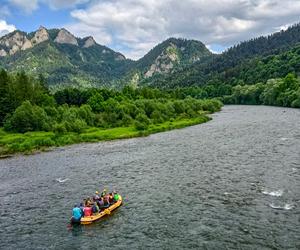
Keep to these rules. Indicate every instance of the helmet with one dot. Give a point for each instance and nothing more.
(96, 192)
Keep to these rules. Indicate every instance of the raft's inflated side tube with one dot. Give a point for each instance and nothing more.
(90, 219)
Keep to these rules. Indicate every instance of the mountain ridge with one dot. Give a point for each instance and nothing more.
(62, 36)
(68, 60)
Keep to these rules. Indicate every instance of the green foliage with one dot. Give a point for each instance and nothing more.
(74, 110)
(15, 89)
(142, 122)
(28, 117)
(6, 104)
(32, 141)
(85, 113)
(187, 51)
(68, 65)
(279, 92)
(76, 125)
(96, 102)
(253, 61)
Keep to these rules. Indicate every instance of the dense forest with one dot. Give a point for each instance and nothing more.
(27, 105)
(172, 63)
(250, 62)
(284, 92)
(261, 71)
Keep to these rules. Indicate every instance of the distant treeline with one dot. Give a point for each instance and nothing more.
(283, 92)
(27, 105)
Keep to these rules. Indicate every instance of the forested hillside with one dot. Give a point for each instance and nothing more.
(252, 61)
(65, 60)
(62, 59)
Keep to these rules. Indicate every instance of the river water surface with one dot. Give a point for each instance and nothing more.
(232, 183)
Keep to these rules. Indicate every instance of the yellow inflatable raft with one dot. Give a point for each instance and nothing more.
(90, 219)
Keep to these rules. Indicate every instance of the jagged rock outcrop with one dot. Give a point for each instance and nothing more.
(3, 52)
(27, 44)
(65, 36)
(19, 41)
(89, 42)
(165, 62)
(14, 43)
(40, 36)
(15, 38)
(120, 57)
(14, 49)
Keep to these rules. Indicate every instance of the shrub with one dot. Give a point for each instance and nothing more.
(86, 114)
(296, 103)
(142, 122)
(77, 126)
(156, 116)
(126, 120)
(59, 128)
(96, 102)
(28, 118)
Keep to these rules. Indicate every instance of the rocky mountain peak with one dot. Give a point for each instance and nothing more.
(89, 42)
(14, 42)
(66, 37)
(14, 38)
(40, 35)
(165, 62)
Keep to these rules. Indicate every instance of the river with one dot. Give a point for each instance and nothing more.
(231, 183)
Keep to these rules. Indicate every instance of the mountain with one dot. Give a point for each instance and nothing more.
(237, 62)
(67, 60)
(170, 54)
(64, 59)
(61, 57)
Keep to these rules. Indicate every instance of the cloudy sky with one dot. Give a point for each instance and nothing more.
(133, 27)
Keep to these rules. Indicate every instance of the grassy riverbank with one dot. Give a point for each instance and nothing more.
(31, 142)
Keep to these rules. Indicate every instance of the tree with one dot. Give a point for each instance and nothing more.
(5, 105)
(28, 117)
(96, 102)
(142, 122)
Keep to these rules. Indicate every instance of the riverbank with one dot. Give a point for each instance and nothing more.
(31, 142)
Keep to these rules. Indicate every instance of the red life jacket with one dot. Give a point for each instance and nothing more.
(87, 211)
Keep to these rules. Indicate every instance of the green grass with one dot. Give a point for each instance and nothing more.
(31, 142)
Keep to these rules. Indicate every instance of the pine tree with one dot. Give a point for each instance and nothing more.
(5, 105)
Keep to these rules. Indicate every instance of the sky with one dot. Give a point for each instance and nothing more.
(133, 27)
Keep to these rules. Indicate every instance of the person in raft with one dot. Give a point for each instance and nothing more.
(76, 214)
(116, 196)
(89, 207)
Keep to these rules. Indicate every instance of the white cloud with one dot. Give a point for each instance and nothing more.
(137, 25)
(28, 6)
(25, 5)
(58, 4)
(5, 28)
